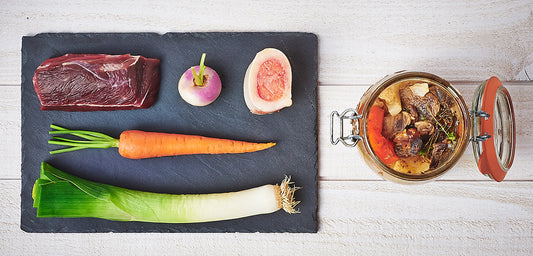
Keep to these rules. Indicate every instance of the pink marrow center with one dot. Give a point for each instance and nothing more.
(271, 80)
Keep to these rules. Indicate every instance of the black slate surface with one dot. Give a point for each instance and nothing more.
(294, 129)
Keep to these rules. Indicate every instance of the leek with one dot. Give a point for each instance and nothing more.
(59, 194)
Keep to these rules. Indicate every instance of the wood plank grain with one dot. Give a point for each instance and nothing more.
(336, 162)
(10, 141)
(359, 217)
(359, 41)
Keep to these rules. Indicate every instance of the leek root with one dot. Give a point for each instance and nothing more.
(59, 194)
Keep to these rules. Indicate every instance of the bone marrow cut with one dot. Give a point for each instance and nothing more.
(90, 82)
(268, 81)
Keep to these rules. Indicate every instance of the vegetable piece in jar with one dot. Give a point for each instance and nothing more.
(391, 97)
(383, 147)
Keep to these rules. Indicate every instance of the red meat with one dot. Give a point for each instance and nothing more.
(88, 82)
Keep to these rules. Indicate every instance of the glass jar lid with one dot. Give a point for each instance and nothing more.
(493, 131)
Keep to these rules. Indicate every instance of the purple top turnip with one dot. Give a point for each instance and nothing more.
(200, 89)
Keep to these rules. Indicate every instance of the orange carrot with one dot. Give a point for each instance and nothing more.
(136, 144)
(383, 147)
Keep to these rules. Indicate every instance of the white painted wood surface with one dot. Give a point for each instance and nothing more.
(463, 213)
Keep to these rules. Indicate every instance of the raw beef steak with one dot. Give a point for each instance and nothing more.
(88, 82)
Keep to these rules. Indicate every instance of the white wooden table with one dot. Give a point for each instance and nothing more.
(462, 213)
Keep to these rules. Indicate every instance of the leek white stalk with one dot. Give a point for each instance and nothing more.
(59, 194)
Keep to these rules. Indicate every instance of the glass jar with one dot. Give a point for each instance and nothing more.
(489, 126)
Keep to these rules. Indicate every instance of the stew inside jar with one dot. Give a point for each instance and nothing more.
(413, 126)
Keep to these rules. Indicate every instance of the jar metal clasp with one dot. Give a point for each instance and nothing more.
(483, 137)
(351, 139)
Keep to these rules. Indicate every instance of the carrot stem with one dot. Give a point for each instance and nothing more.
(87, 134)
(92, 140)
(63, 150)
(83, 144)
(69, 140)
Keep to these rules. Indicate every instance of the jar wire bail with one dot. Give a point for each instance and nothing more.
(352, 138)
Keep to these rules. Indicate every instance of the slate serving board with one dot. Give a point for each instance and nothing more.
(294, 129)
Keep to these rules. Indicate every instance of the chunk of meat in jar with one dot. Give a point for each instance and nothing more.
(427, 106)
(413, 112)
(392, 125)
(425, 128)
(444, 98)
(407, 143)
(438, 154)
